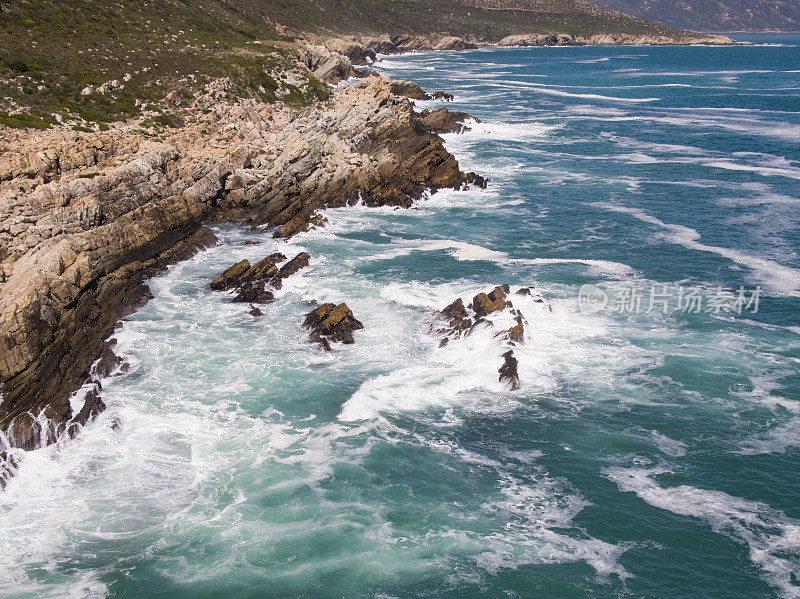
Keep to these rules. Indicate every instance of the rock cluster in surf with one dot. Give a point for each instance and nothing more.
(331, 323)
(251, 282)
(457, 321)
(86, 217)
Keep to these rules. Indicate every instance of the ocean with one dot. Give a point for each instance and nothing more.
(649, 194)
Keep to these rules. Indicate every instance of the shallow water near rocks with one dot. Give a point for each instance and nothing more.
(645, 455)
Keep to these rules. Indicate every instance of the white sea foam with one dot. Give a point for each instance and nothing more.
(553, 91)
(776, 277)
(479, 131)
(463, 251)
(773, 538)
(671, 447)
(779, 439)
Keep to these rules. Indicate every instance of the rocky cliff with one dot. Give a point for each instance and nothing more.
(86, 217)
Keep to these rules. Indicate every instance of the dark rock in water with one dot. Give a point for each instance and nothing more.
(455, 310)
(252, 242)
(508, 371)
(108, 362)
(445, 97)
(476, 180)
(254, 292)
(457, 318)
(263, 269)
(484, 304)
(442, 120)
(301, 260)
(255, 311)
(523, 291)
(409, 90)
(231, 277)
(92, 406)
(330, 322)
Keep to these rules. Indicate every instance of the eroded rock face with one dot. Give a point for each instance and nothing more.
(331, 323)
(85, 218)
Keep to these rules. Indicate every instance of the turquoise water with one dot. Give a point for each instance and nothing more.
(647, 454)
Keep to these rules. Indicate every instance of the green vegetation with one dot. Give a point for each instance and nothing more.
(488, 20)
(86, 62)
(94, 61)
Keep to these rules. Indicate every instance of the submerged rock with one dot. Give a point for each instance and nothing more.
(331, 323)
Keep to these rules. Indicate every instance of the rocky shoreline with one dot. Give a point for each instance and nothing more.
(363, 50)
(87, 217)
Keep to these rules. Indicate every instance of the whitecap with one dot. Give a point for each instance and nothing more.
(774, 276)
(771, 536)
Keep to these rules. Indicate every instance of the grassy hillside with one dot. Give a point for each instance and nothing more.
(56, 56)
(489, 20)
(716, 15)
(87, 62)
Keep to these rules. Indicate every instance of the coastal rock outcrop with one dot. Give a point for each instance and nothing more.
(250, 282)
(85, 218)
(617, 39)
(493, 312)
(331, 323)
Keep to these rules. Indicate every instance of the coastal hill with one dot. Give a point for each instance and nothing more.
(715, 15)
(483, 20)
(56, 55)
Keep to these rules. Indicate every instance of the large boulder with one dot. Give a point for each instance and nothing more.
(331, 322)
(484, 304)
